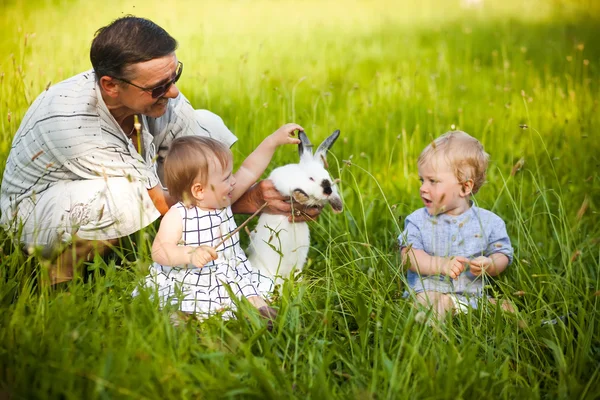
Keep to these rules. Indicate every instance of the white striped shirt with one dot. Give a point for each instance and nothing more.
(69, 134)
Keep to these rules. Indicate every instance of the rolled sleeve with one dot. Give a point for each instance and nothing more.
(113, 162)
(213, 125)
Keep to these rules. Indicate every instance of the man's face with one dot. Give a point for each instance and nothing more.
(149, 74)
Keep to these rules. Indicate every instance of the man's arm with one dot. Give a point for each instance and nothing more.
(264, 191)
(162, 200)
(257, 195)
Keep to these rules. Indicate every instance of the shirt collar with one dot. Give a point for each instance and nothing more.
(452, 219)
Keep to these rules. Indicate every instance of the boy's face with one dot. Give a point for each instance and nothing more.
(440, 190)
(217, 191)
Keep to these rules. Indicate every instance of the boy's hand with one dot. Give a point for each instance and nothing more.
(480, 264)
(454, 267)
(202, 255)
(285, 135)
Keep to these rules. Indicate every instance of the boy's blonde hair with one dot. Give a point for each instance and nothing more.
(464, 154)
(187, 163)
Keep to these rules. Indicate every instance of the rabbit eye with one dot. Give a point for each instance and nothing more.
(311, 178)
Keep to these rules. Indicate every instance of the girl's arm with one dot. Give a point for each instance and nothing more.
(166, 251)
(256, 163)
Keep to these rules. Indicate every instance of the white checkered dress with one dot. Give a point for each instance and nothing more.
(202, 290)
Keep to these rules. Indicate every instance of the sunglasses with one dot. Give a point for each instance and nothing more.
(158, 91)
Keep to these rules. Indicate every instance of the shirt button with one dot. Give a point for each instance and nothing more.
(453, 221)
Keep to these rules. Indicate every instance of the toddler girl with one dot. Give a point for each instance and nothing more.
(191, 265)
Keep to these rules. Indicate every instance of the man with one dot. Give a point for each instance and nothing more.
(82, 173)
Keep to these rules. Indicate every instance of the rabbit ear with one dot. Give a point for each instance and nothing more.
(321, 154)
(305, 147)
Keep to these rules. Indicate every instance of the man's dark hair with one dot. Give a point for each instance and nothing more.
(128, 40)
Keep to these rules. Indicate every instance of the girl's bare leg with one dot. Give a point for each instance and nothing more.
(264, 309)
(257, 301)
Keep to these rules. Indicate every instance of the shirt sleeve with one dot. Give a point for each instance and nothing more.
(411, 234)
(112, 162)
(213, 126)
(498, 240)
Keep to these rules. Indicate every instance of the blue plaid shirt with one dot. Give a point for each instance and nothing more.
(476, 232)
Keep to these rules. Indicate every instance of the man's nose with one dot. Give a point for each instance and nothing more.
(172, 93)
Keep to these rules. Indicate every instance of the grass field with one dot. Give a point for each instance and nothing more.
(522, 76)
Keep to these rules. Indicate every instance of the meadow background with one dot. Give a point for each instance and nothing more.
(522, 76)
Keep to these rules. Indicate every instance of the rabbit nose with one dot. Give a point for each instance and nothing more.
(326, 185)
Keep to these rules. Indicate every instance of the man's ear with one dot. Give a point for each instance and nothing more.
(110, 86)
(467, 188)
(198, 191)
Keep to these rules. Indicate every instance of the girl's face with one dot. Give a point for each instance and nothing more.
(440, 190)
(216, 193)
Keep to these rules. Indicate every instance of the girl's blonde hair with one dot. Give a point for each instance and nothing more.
(463, 153)
(187, 163)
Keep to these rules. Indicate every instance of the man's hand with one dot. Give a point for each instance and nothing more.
(454, 267)
(264, 191)
(202, 255)
(480, 264)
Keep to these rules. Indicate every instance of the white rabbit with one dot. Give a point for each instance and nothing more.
(279, 247)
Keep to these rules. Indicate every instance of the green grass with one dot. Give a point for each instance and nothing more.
(523, 77)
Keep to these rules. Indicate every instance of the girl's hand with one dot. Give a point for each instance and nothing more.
(480, 264)
(454, 267)
(202, 255)
(285, 135)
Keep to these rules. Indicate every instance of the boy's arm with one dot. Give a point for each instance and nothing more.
(256, 163)
(424, 264)
(493, 265)
(412, 244)
(166, 251)
(499, 252)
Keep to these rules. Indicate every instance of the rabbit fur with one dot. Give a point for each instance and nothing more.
(279, 247)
